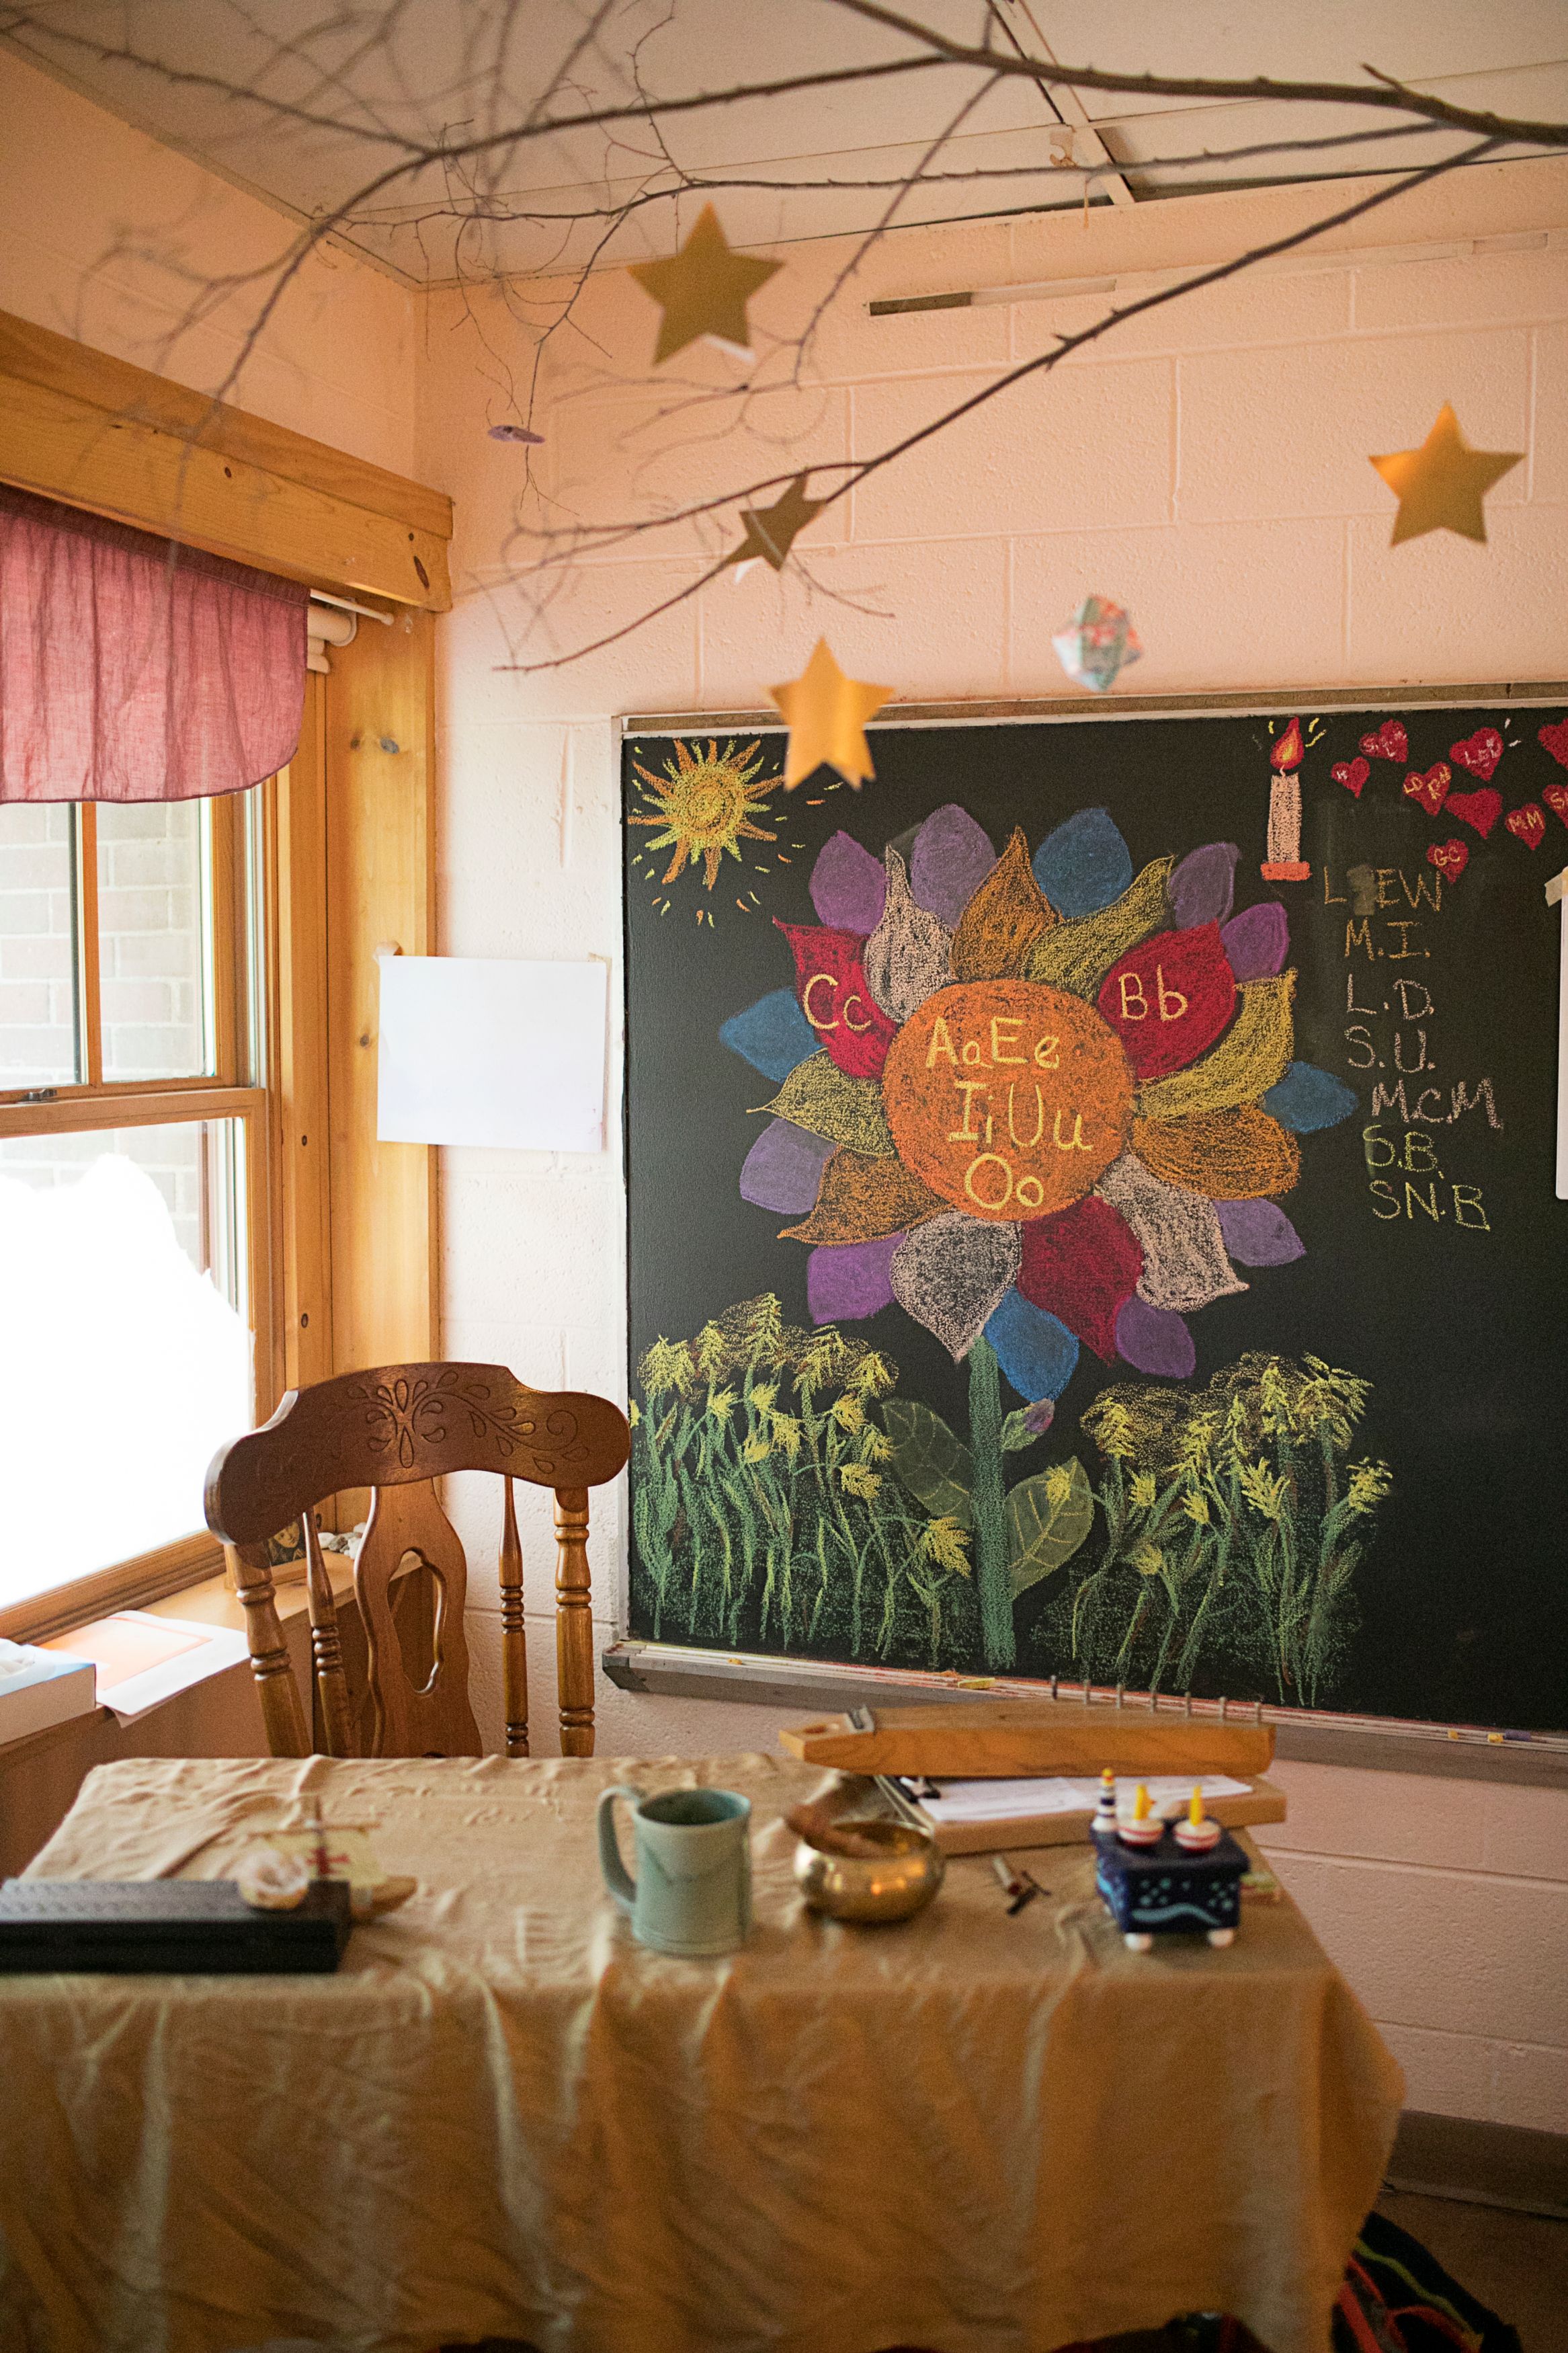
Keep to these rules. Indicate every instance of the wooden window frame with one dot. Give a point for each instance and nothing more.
(344, 851)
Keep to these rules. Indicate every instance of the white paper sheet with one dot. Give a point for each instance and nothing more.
(202, 1651)
(1005, 1801)
(481, 1050)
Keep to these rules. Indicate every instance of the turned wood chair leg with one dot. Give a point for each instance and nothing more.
(287, 1734)
(513, 1631)
(573, 1622)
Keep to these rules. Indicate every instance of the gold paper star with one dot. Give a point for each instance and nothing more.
(828, 713)
(771, 530)
(1441, 485)
(704, 290)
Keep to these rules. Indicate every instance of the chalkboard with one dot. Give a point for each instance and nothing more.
(1091, 1205)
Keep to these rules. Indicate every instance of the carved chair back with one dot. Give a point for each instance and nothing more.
(396, 1431)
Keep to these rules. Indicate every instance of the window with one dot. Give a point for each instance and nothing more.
(134, 1204)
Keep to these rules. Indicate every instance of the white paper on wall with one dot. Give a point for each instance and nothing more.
(493, 1050)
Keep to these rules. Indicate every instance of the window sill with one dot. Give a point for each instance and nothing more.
(207, 1602)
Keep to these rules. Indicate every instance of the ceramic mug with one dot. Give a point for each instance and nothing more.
(692, 1894)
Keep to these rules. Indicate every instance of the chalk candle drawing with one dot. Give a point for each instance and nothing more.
(1284, 862)
(1039, 1103)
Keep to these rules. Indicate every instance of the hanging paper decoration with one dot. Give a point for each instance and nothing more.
(1284, 862)
(1441, 485)
(703, 290)
(515, 433)
(827, 713)
(1097, 644)
(771, 530)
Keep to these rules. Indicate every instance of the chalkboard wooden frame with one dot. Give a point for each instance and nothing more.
(635, 1664)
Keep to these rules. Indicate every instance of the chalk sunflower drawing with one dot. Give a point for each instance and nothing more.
(705, 807)
(1043, 1104)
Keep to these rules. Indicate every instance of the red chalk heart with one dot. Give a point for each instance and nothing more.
(1529, 824)
(1390, 743)
(1478, 753)
(1554, 739)
(1351, 773)
(1450, 857)
(1556, 799)
(1431, 789)
(1480, 809)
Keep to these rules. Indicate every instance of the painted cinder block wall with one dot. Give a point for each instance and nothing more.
(1208, 465)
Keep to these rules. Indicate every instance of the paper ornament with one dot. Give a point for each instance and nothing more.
(703, 290)
(826, 715)
(1097, 644)
(1441, 485)
(515, 433)
(771, 530)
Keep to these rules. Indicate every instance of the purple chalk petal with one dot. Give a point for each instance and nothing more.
(1259, 1233)
(848, 887)
(1257, 941)
(851, 1279)
(1156, 1339)
(1203, 887)
(782, 1170)
(951, 859)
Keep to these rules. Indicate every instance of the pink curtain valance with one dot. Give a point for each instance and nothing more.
(135, 669)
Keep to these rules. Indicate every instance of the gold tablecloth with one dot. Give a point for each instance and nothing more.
(972, 2132)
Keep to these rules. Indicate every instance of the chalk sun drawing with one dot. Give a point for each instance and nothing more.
(1042, 1104)
(704, 808)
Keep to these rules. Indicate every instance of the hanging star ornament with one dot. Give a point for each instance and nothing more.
(1441, 485)
(704, 290)
(771, 530)
(826, 715)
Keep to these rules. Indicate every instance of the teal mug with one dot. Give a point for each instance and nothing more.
(692, 1894)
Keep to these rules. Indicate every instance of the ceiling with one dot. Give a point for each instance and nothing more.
(319, 105)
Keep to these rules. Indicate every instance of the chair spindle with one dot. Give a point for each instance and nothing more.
(514, 1631)
(573, 1622)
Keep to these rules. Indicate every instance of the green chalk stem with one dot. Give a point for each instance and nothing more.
(992, 1582)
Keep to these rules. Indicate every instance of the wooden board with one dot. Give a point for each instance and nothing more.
(1005, 1740)
(78, 425)
(1262, 1803)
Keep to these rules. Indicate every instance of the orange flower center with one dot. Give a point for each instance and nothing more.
(1008, 1099)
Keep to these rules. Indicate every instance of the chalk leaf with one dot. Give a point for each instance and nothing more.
(1048, 1518)
(934, 1464)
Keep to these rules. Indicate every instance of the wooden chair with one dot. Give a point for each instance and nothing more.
(396, 1431)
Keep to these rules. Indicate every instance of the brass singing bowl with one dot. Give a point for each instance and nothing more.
(892, 1885)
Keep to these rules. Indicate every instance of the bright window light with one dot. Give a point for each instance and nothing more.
(127, 1353)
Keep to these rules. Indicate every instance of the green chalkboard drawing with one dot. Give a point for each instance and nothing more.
(1053, 1103)
(1231, 1526)
(766, 1504)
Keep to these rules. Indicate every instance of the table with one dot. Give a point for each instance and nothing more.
(972, 2132)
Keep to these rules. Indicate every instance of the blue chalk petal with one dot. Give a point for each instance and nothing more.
(1084, 864)
(1307, 1098)
(774, 1034)
(1038, 1354)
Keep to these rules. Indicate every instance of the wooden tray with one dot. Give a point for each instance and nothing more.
(1006, 1740)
